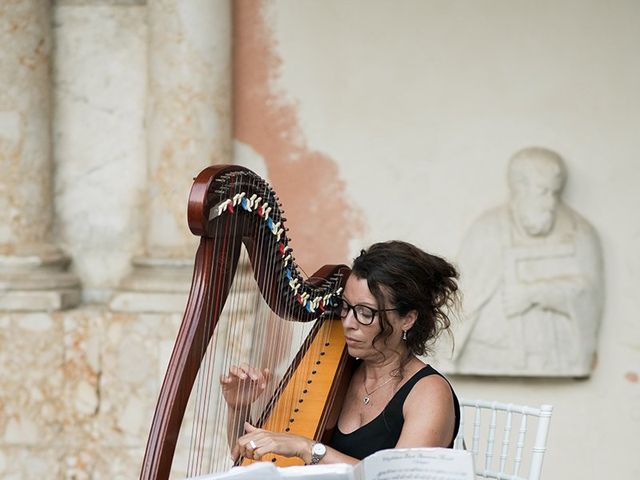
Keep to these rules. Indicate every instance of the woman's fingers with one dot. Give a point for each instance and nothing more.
(266, 376)
(254, 374)
(245, 447)
(249, 371)
(257, 443)
(254, 451)
(258, 449)
(245, 372)
(248, 447)
(238, 371)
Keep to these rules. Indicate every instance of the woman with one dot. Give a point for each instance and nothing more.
(394, 305)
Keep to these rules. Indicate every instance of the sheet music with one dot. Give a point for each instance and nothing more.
(267, 471)
(417, 464)
(394, 464)
(255, 471)
(336, 471)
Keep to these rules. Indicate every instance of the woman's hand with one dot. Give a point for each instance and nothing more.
(243, 385)
(257, 442)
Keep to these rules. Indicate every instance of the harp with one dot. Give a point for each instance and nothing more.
(240, 223)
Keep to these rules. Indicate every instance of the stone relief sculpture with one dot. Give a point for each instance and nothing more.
(532, 280)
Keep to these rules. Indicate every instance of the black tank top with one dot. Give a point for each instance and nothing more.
(384, 431)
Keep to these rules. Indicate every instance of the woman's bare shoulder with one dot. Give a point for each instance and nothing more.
(433, 390)
(429, 414)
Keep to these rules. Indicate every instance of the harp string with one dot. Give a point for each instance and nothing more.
(271, 338)
(194, 446)
(226, 239)
(268, 338)
(278, 334)
(216, 288)
(264, 267)
(241, 333)
(277, 353)
(257, 330)
(235, 335)
(236, 338)
(261, 328)
(282, 421)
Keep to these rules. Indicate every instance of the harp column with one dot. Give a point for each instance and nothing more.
(188, 122)
(33, 270)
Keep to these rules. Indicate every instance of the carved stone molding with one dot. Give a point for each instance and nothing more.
(188, 118)
(33, 271)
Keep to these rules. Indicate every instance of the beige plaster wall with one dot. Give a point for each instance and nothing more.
(420, 105)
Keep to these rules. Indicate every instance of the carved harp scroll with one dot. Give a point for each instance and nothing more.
(230, 206)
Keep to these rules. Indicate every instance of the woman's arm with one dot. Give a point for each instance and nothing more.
(429, 416)
(423, 427)
(258, 442)
(240, 388)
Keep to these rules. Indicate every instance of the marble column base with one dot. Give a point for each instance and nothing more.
(156, 285)
(37, 281)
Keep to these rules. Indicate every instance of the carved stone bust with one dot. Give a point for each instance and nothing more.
(531, 274)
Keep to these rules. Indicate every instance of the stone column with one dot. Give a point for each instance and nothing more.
(33, 272)
(188, 128)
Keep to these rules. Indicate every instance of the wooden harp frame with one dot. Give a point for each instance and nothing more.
(218, 195)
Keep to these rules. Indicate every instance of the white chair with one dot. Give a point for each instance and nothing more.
(487, 418)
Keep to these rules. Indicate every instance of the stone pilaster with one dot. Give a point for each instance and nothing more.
(33, 272)
(188, 128)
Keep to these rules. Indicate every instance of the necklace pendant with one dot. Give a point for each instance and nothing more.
(366, 400)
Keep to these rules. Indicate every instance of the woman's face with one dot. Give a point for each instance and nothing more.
(360, 338)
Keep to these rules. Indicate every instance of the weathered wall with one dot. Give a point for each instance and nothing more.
(420, 105)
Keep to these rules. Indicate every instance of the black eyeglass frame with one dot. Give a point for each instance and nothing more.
(352, 308)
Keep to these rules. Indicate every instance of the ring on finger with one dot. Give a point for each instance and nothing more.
(253, 445)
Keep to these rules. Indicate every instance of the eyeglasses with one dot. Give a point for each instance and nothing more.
(364, 315)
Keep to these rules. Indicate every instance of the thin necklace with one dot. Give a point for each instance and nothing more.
(367, 398)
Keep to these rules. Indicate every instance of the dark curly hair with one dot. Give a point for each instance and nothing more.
(404, 277)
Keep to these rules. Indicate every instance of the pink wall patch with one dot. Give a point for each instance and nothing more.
(320, 219)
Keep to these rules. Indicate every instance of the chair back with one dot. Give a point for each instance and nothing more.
(505, 439)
